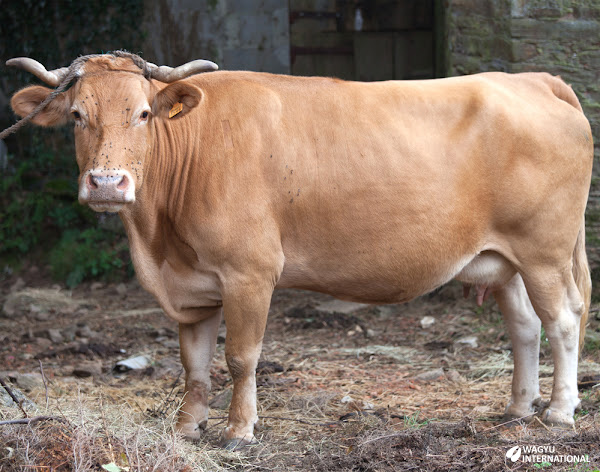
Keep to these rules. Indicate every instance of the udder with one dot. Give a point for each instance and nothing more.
(486, 272)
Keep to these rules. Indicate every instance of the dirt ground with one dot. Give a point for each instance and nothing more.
(340, 387)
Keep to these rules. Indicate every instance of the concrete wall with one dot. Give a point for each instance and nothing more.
(236, 34)
(557, 36)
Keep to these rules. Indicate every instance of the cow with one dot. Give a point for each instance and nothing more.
(231, 184)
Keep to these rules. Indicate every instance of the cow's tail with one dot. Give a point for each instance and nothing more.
(563, 91)
(581, 274)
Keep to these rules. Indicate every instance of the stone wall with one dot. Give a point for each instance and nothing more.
(557, 36)
(479, 36)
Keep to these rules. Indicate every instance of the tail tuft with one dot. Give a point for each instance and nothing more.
(581, 274)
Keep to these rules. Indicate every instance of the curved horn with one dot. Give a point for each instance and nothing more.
(53, 77)
(168, 74)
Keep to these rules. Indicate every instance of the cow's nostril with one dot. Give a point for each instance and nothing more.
(91, 182)
(123, 184)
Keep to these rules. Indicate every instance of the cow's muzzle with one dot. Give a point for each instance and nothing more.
(105, 190)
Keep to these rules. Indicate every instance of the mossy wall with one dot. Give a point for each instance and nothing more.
(557, 36)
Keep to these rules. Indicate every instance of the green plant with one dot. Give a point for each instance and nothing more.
(92, 253)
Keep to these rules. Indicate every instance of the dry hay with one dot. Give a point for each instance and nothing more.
(331, 396)
(100, 428)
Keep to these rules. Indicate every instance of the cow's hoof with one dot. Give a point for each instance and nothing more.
(192, 431)
(525, 413)
(557, 419)
(236, 444)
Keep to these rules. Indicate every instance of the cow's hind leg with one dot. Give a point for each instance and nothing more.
(197, 343)
(559, 304)
(524, 328)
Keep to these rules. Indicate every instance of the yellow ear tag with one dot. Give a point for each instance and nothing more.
(176, 109)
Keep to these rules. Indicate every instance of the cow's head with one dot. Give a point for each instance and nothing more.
(115, 109)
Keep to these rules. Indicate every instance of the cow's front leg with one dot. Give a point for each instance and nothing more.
(245, 309)
(197, 343)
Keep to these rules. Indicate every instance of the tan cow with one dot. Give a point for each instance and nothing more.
(371, 192)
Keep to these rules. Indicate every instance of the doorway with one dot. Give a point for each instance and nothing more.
(366, 40)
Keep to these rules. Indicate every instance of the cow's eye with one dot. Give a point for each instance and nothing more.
(76, 115)
(144, 116)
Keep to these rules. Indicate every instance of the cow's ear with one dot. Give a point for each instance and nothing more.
(176, 100)
(55, 113)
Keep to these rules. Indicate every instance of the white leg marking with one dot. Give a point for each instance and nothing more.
(524, 328)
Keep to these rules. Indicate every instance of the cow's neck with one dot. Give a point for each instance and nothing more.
(151, 222)
(161, 202)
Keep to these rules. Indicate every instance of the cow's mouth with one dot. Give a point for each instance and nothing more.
(110, 207)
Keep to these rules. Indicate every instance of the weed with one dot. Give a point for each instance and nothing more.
(412, 421)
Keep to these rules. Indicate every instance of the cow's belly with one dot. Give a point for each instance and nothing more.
(399, 284)
(372, 287)
(374, 276)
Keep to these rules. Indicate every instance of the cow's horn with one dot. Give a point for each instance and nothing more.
(168, 74)
(53, 77)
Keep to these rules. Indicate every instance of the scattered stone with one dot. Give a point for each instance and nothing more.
(18, 285)
(168, 366)
(308, 317)
(49, 300)
(427, 322)
(367, 405)
(33, 308)
(121, 289)
(85, 332)
(438, 345)
(356, 405)
(370, 333)
(96, 286)
(356, 330)
(69, 333)
(55, 336)
(222, 400)
(454, 376)
(436, 374)
(43, 343)
(42, 316)
(340, 306)
(133, 363)
(267, 367)
(29, 382)
(470, 341)
(7, 401)
(170, 343)
(88, 369)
